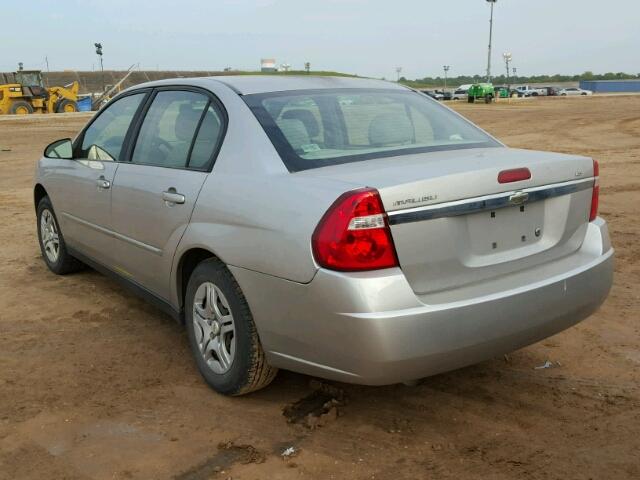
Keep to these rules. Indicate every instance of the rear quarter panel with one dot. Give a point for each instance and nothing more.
(251, 212)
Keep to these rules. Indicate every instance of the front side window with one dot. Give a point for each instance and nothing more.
(170, 127)
(103, 139)
(316, 128)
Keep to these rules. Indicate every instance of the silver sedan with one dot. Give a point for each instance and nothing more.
(351, 229)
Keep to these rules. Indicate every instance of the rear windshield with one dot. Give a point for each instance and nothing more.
(316, 128)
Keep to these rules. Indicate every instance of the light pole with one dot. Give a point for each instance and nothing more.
(507, 59)
(446, 70)
(492, 2)
(99, 53)
(398, 70)
(307, 66)
(514, 70)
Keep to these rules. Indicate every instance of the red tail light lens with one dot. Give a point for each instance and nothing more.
(354, 234)
(595, 196)
(514, 175)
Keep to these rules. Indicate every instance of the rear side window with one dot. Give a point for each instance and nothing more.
(103, 139)
(316, 128)
(207, 139)
(169, 128)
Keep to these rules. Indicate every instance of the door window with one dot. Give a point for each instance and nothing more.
(169, 129)
(103, 139)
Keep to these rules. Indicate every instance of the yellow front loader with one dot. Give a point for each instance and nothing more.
(27, 94)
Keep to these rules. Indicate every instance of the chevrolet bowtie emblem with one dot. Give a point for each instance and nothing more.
(518, 198)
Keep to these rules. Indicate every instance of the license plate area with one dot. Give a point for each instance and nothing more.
(495, 231)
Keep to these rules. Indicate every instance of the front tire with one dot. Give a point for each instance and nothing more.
(52, 244)
(66, 106)
(222, 335)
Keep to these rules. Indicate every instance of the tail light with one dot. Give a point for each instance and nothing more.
(595, 196)
(354, 234)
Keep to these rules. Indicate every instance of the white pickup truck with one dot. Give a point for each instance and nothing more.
(529, 91)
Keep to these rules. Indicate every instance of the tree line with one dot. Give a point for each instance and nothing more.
(502, 79)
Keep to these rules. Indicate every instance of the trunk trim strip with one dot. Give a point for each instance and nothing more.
(488, 202)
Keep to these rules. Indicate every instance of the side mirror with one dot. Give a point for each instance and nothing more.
(60, 149)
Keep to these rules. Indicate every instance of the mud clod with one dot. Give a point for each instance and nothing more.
(245, 453)
(318, 408)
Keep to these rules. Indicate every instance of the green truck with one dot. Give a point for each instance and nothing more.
(481, 91)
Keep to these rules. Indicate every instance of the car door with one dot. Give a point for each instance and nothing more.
(154, 193)
(82, 186)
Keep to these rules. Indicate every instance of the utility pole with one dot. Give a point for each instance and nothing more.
(46, 60)
(492, 2)
(99, 53)
(307, 66)
(507, 59)
(446, 70)
(514, 70)
(398, 70)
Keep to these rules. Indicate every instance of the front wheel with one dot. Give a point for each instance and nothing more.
(222, 335)
(66, 106)
(52, 245)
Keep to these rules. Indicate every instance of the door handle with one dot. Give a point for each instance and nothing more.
(103, 183)
(171, 196)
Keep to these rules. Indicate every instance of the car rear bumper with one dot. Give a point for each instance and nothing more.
(371, 328)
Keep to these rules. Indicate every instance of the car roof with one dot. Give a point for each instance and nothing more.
(250, 84)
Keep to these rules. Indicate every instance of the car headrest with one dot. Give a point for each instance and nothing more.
(306, 117)
(186, 122)
(295, 132)
(389, 129)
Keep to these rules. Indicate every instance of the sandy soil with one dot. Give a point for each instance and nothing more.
(95, 384)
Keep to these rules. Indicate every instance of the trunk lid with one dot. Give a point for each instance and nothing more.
(454, 225)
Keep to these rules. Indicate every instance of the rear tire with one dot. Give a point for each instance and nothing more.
(21, 107)
(488, 98)
(471, 99)
(222, 335)
(66, 106)
(52, 244)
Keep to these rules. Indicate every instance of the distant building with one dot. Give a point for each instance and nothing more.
(611, 86)
(268, 65)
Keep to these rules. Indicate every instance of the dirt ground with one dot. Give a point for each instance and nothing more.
(95, 384)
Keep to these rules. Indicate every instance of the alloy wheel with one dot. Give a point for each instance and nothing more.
(214, 327)
(49, 236)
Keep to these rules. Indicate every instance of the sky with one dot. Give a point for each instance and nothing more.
(368, 38)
